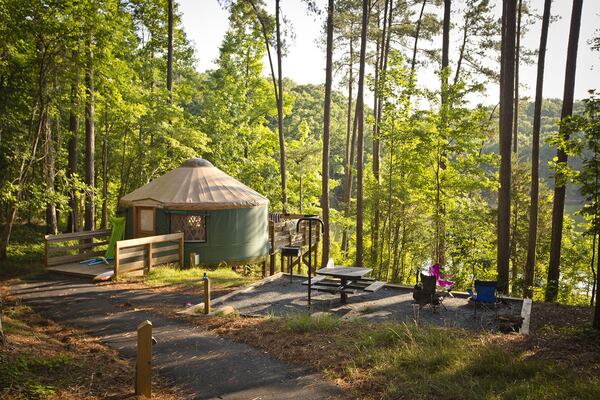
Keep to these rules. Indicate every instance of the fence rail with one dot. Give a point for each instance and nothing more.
(73, 247)
(143, 253)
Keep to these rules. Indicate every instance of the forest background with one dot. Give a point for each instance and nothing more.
(99, 97)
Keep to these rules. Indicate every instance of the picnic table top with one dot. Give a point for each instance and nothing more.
(344, 272)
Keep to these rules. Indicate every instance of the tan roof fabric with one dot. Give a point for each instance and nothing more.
(196, 185)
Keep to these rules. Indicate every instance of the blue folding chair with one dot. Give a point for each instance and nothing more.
(486, 294)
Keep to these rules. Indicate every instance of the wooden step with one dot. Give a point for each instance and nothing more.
(315, 279)
(375, 286)
(331, 289)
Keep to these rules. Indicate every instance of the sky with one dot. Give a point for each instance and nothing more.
(205, 23)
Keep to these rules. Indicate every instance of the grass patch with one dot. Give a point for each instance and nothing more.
(429, 362)
(44, 360)
(192, 277)
(404, 361)
(25, 252)
(304, 323)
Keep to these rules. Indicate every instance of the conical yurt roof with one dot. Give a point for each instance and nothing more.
(196, 185)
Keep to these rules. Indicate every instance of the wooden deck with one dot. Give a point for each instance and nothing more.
(78, 269)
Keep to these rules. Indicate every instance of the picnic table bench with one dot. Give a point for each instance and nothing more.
(344, 280)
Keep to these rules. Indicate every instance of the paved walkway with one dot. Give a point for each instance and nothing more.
(201, 365)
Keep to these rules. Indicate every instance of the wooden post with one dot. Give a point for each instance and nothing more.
(117, 256)
(206, 294)
(272, 264)
(46, 252)
(526, 315)
(149, 251)
(143, 370)
(181, 264)
(282, 263)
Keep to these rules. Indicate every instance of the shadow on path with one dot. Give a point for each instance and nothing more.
(201, 365)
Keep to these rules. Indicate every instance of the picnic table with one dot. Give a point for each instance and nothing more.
(344, 280)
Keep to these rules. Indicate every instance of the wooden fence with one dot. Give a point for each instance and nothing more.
(68, 248)
(143, 253)
(283, 233)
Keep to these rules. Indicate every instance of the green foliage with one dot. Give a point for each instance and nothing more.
(307, 323)
(24, 374)
(192, 277)
(430, 362)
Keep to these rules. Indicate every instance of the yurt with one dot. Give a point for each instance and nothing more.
(222, 219)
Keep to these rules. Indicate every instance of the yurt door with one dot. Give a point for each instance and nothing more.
(145, 221)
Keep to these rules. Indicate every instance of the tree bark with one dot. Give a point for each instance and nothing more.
(517, 62)
(170, 49)
(417, 33)
(104, 219)
(280, 108)
(507, 93)
(349, 179)
(535, 155)
(596, 321)
(89, 140)
(385, 47)
(360, 138)
(326, 127)
(463, 46)
(559, 185)
(440, 229)
(51, 223)
(73, 220)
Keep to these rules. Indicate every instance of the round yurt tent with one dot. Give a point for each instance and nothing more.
(222, 219)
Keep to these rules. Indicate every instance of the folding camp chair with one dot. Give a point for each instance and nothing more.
(486, 294)
(118, 232)
(426, 293)
(436, 270)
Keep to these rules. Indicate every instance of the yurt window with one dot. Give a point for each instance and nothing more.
(144, 221)
(192, 226)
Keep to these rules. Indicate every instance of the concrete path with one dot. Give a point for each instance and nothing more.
(201, 366)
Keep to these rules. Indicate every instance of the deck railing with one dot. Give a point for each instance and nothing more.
(143, 253)
(67, 248)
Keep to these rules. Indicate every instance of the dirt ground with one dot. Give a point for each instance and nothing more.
(43, 359)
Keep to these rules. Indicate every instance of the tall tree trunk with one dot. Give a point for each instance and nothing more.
(559, 182)
(463, 46)
(104, 220)
(170, 49)
(596, 321)
(349, 179)
(89, 140)
(517, 62)
(360, 105)
(376, 145)
(506, 107)
(326, 127)
(350, 141)
(535, 155)
(280, 107)
(515, 208)
(417, 33)
(516, 205)
(73, 220)
(51, 224)
(440, 229)
(385, 47)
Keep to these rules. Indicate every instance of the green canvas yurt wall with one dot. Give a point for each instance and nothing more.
(229, 218)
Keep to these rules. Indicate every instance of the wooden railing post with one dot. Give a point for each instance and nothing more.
(149, 251)
(206, 294)
(181, 263)
(143, 370)
(117, 260)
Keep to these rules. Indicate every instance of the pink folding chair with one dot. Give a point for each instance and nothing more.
(436, 270)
